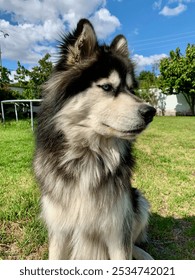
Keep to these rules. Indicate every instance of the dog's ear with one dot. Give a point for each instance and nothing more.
(85, 43)
(120, 46)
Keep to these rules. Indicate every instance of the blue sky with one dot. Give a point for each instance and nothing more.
(152, 28)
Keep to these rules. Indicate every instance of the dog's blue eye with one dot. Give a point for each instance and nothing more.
(107, 87)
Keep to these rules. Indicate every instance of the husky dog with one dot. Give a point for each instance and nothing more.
(88, 121)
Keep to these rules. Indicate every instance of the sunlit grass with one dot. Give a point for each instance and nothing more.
(165, 173)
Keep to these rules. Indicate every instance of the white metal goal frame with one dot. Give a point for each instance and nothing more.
(16, 103)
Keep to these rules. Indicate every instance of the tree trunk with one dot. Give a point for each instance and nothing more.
(190, 98)
(192, 104)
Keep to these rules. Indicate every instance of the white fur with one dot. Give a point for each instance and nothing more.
(82, 158)
(113, 79)
(129, 81)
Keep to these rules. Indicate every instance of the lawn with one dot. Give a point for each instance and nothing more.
(165, 173)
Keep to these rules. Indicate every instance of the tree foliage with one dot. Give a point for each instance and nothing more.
(31, 80)
(147, 78)
(177, 74)
(4, 77)
(5, 92)
(147, 81)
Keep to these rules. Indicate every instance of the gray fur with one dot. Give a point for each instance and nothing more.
(83, 160)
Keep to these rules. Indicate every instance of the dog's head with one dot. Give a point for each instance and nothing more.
(94, 86)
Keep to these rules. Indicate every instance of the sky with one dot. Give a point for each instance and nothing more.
(152, 28)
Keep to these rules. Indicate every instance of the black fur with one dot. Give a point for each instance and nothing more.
(82, 163)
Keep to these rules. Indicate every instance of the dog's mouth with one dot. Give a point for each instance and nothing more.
(126, 132)
(133, 131)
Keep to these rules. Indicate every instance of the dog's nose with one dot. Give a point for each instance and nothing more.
(147, 112)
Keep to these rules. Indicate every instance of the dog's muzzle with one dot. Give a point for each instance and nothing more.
(147, 112)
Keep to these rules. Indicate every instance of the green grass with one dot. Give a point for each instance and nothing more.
(165, 173)
(22, 235)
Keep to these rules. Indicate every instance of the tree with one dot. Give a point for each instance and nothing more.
(31, 80)
(147, 82)
(177, 75)
(5, 81)
(22, 75)
(147, 78)
(4, 77)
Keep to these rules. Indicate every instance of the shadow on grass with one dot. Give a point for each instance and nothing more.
(171, 238)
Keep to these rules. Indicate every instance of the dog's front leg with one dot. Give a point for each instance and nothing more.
(117, 249)
(59, 247)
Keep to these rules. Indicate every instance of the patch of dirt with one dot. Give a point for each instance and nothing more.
(11, 238)
(11, 233)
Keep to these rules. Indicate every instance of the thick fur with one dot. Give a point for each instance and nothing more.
(88, 120)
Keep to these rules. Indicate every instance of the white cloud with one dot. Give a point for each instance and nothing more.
(166, 11)
(104, 23)
(24, 40)
(39, 11)
(143, 61)
(180, 1)
(136, 31)
(171, 7)
(157, 4)
(35, 25)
